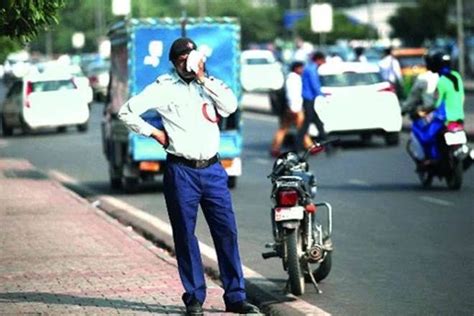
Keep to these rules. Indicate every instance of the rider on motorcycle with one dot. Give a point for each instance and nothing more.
(429, 117)
(450, 89)
(418, 104)
(422, 93)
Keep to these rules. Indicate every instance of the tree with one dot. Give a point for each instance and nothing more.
(262, 24)
(428, 20)
(7, 46)
(24, 19)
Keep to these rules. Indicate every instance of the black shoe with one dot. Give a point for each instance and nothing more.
(194, 308)
(242, 307)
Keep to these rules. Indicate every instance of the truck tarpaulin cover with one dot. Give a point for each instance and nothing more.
(151, 44)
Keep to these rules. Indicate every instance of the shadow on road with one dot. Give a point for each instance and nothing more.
(384, 187)
(93, 189)
(73, 300)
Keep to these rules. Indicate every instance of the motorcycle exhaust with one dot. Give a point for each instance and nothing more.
(315, 254)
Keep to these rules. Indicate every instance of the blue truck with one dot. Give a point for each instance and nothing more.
(139, 54)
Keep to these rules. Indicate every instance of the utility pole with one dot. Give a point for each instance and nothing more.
(293, 6)
(370, 18)
(202, 8)
(460, 31)
(49, 44)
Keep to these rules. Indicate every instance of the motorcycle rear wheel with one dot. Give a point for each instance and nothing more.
(454, 180)
(295, 270)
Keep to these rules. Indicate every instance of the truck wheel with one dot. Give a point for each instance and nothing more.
(130, 185)
(115, 177)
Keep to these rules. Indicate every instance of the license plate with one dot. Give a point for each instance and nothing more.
(455, 138)
(289, 213)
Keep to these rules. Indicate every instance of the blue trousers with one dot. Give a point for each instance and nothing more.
(185, 189)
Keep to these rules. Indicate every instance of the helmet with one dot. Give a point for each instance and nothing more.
(437, 60)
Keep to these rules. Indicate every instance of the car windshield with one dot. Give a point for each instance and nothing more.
(53, 85)
(347, 79)
(98, 68)
(257, 61)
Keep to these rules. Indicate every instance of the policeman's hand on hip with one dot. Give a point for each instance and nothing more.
(161, 137)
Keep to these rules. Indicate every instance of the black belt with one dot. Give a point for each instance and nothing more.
(193, 163)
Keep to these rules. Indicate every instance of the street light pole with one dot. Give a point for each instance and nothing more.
(202, 8)
(460, 31)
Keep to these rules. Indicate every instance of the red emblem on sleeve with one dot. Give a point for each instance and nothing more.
(206, 115)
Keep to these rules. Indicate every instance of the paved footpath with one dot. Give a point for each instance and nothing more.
(59, 255)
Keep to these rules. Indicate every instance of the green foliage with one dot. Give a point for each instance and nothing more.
(425, 21)
(7, 46)
(258, 25)
(24, 19)
(343, 28)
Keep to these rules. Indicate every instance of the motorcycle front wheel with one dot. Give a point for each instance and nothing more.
(295, 271)
(426, 178)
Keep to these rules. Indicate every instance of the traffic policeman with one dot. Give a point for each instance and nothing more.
(189, 103)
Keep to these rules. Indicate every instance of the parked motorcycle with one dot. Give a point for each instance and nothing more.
(439, 151)
(300, 239)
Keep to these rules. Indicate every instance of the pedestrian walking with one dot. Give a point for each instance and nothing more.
(359, 54)
(293, 108)
(189, 102)
(311, 90)
(391, 71)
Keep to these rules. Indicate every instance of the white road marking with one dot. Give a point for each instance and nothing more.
(433, 200)
(359, 182)
(262, 161)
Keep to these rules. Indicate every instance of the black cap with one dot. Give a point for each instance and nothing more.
(182, 45)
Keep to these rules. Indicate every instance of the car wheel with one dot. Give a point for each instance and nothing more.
(83, 127)
(366, 138)
(392, 139)
(231, 182)
(61, 129)
(6, 130)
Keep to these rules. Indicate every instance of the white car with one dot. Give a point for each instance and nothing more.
(44, 101)
(80, 79)
(260, 71)
(357, 101)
